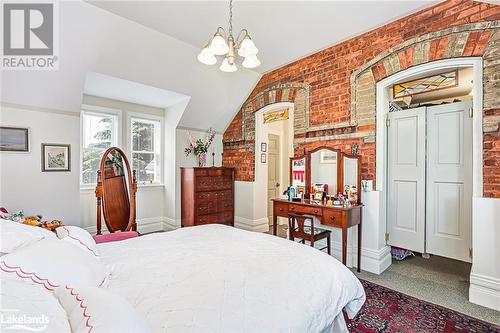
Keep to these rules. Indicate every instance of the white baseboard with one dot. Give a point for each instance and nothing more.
(485, 291)
(373, 261)
(260, 225)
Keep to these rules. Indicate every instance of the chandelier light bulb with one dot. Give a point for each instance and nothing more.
(251, 61)
(247, 47)
(218, 45)
(227, 67)
(206, 57)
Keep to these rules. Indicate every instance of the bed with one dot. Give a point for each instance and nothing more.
(210, 278)
(215, 278)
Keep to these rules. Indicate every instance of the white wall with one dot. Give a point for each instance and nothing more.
(485, 274)
(24, 186)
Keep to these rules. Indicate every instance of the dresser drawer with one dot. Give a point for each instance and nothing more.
(224, 205)
(305, 209)
(223, 218)
(280, 209)
(214, 183)
(332, 218)
(205, 208)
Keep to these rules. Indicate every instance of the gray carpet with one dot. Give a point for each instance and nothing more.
(437, 280)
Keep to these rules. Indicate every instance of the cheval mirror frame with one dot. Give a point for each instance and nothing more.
(340, 169)
(114, 200)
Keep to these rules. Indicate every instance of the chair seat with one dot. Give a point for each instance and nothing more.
(316, 231)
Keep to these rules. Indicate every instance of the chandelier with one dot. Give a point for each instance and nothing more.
(224, 44)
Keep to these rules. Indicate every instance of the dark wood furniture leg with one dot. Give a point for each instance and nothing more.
(275, 225)
(359, 239)
(344, 244)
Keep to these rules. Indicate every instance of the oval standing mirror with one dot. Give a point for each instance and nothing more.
(116, 188)
(324, 171)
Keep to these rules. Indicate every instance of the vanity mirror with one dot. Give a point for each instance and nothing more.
(298, 176)
(324, 171)
(351, 170)
(115, 192)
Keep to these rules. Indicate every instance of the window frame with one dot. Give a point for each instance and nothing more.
(131, 116)
(117, 130)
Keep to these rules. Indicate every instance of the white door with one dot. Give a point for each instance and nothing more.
(406, 179)
(449, 180)
(273, 173)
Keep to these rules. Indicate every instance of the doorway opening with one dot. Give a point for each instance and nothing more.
(273, 149)
(430, 118)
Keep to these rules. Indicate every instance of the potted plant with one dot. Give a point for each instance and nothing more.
(200, 147)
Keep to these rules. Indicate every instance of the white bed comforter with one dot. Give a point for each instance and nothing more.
(216, 278)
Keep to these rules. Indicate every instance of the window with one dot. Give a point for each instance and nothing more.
(145, 135)
(99, 132)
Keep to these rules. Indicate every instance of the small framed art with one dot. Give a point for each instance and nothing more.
(263, 158)
(263, 147)
(14, 139)
(56, 157)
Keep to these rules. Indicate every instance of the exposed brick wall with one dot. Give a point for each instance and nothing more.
(341, 79)
(491, 153)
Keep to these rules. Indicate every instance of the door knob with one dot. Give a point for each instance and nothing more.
(277, 184)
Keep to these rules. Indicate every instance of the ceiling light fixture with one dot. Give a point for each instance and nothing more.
(224, 44)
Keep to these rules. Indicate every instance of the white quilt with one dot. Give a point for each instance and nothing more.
(215, 278)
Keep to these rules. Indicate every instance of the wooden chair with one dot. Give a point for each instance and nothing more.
(298, 229)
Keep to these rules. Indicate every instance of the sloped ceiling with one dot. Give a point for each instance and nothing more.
(95, 40)
(284, 31)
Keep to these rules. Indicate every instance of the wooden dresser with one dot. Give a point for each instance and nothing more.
(207, 196)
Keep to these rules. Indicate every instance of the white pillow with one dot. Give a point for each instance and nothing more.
(31, 308)
(16, 235)
(98, 310)
(78, 236)
(52, 263)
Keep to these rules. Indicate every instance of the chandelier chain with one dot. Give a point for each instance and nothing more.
(230, 17)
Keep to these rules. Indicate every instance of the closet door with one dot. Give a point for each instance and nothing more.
(406, 179)
(449, 180)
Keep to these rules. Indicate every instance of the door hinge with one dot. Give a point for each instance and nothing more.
(470, 252)
(471, 113)
(388, 122)
(386, 236)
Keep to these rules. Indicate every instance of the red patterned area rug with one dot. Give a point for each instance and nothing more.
(389, 311)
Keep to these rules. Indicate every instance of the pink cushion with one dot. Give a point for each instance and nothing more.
(115, 236)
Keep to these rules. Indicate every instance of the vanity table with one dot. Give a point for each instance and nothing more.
(332, 171)
(337, 217)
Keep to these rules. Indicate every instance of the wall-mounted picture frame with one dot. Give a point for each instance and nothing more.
(263, 158)
(328, 157)
(14, 139)
(263, 147)
(56, 157)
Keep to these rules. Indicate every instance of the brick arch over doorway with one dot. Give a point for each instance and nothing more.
(341, 84)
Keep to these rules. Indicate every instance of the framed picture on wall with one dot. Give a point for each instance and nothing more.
(263, 147)
(14, 139)
(56, 157)
(328, 157)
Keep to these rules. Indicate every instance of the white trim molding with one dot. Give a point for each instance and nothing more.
(485, 291)
(259, 225)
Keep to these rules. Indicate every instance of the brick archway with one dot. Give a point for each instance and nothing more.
(470, 40)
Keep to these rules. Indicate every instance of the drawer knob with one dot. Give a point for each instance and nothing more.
(281, 209)
(316, 211)
(332, 218)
